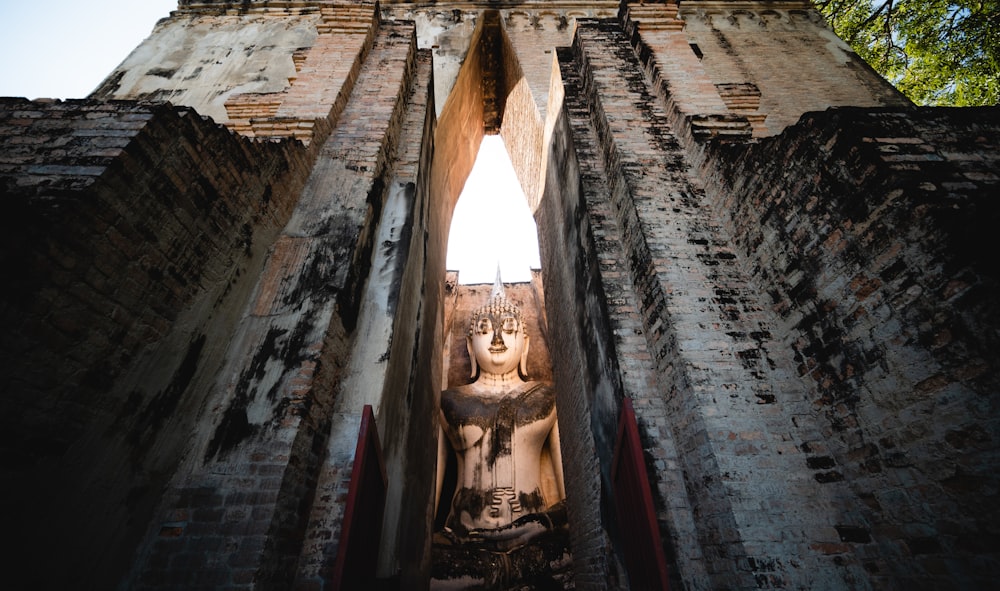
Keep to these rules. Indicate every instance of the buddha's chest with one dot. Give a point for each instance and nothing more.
(526, 414)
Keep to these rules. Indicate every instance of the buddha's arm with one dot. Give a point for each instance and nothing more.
(555, 451)
(442, 462)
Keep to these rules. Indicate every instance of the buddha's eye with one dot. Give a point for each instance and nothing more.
(484, 326)
(509, 324)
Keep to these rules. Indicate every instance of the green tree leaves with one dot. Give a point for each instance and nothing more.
(937, 52)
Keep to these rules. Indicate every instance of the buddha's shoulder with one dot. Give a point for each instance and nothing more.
(465, 400)
(536, 400)
(525, 390)
(537, 389)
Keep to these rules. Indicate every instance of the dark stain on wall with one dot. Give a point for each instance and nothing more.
(161, 407)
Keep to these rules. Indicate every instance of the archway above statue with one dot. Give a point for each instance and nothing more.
(492, 224)
(501, 87)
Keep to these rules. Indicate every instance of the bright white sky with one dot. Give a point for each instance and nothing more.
(65, 49)
(492, 223)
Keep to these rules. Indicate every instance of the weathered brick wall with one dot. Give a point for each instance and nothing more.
(870, 231)
(409, 411)
(205, 60)
(584, 364)
(531, 38)
(723, 385)
(128, 234)
(764, 62)
(602, 94)
(286, 407)
(386, 368)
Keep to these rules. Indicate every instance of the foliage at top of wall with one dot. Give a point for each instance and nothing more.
(937, 52)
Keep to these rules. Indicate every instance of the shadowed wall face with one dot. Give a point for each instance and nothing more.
(130, 258)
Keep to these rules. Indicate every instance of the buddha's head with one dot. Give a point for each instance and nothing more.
(497, 341)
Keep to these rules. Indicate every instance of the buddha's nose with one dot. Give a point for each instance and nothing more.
(497, 340)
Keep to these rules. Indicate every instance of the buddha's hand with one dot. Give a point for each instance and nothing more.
(517, 533)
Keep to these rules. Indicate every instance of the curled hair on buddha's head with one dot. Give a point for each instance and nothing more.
(496, 307)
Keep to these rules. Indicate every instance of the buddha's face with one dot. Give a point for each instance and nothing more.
(497, 342)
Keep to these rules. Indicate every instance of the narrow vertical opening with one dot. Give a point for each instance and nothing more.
(492, 224)
(487, 190)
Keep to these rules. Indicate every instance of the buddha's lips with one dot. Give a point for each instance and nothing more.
(498, 349)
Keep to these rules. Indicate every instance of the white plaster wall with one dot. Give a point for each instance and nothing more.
(447, 34)
(200, 61)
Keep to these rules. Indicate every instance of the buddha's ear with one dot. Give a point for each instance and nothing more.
(524, 358)
(472, 357)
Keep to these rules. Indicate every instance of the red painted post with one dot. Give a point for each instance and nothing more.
(640, 535)
(361, 529)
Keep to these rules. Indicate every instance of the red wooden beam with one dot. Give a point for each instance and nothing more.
(638, 529)
(361, 529)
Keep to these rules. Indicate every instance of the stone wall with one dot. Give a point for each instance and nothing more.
(263, 71)
(128, 253)
(286, 407)
(869, 231)
(690, 341)
(385, 368)
(774, 61)
(585, 365)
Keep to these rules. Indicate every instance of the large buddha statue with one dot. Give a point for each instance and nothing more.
(506, 523)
